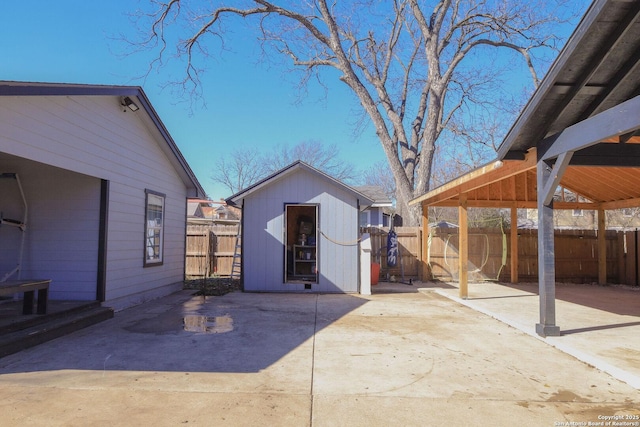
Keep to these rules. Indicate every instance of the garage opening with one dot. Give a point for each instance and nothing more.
(301, 237)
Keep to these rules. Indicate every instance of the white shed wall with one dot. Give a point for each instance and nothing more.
(263, 234)
(92, 135)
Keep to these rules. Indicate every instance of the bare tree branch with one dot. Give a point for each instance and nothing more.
(410, 63)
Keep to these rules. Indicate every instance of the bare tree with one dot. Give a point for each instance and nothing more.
(314, 153)
(247, 166)
(243, 168)
(379, 174)
(415, 67)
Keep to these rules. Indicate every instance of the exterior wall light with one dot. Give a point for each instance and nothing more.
(127, 102)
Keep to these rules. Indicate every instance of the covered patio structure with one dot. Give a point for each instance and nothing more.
(580, 131)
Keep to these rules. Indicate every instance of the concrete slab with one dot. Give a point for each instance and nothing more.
(396, 357)
(599, 324)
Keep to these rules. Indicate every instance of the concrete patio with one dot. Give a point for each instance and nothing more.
(599, 324)
(399, 356)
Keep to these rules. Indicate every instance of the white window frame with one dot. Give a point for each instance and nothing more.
(154, 228)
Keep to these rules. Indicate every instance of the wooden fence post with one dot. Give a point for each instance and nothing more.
(424, 245)
(514, 243)
(463, 247)
(602, 248)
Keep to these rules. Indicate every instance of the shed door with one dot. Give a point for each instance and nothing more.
(301, 237)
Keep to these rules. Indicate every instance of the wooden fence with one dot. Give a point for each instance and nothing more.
(409, 254)
(210, 250)
(576, 254)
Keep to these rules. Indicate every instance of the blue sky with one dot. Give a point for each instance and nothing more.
(248, 104)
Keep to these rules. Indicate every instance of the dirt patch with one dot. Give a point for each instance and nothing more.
(213, 286)
(566, 396)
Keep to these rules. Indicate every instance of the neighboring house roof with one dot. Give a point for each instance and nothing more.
(230, 212)
(194, 209)
(375, 193)
(443, 224)
(13, 88)
(208, 211)
(365, 201)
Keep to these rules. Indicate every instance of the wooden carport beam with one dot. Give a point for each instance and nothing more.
(618, 120)
(547, 192)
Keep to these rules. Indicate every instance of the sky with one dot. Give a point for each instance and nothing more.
(249, 104)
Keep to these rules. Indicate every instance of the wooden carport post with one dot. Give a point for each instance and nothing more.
(546, 259)
(548, 180)
(463, 247)
(602, 248)
(514, 243)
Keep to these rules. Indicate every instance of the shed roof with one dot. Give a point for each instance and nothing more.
(14, 88)
(597, 71)
(365, 201)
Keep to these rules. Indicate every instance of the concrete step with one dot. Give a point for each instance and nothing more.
(57, 310)
(45, 328)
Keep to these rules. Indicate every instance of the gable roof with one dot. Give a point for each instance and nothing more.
(365, 201)
(375, 193)
(14, 88)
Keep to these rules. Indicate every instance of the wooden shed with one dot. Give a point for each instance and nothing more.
(300, 232)
(580, 130)
(105, 193)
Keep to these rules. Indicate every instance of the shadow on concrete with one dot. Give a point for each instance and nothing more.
(613, 299)
(598, 328)
(394, 288)
(504, 296)
(238, 332)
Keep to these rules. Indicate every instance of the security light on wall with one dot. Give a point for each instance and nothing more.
(127, 102)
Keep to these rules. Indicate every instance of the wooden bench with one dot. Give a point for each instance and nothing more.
(28, 287)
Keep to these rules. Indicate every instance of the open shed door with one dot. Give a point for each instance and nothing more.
(301, 243)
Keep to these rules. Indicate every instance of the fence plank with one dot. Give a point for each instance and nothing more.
(408, 265)
(209, 250)
(576, 255)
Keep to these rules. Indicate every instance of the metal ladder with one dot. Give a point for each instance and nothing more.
(236, 263)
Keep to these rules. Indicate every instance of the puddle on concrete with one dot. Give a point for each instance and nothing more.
(208, 324)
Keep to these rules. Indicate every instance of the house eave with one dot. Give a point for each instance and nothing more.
(16, 88)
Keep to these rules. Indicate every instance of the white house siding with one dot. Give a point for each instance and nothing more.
(62, 225)
(92, 135)
(376, 217)
(263, 234)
